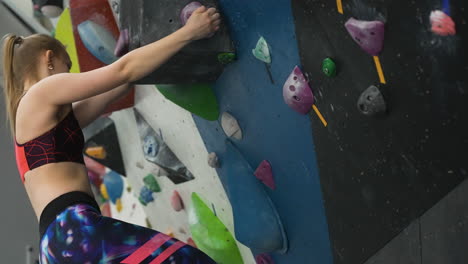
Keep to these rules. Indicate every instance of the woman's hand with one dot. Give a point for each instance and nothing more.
(203, 23)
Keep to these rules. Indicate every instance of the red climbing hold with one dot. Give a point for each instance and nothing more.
(190, 242)
(442, 24)
(297, 93)
(265, 174)
(369, 35)
(176, 201)
(264, 259)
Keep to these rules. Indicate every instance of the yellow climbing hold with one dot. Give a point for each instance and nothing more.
(118, 205)
(104, 193)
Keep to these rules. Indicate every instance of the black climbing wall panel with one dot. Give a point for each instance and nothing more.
(151, 20)
(378, 174)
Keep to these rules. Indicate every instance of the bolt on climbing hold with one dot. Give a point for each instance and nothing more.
(213, 160)
(262, 51)
(231, 126)
(122, 43)
(151, 183)
(369, 35)
(96, 152)
(297, 93)
(442, 24)
(329, 67)
(265, 174)
(371, 102)
(176, 202)
(226, 57)
(264, 259)
(146, 196)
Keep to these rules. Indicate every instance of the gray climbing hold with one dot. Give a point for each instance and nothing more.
(213, 160)
(371, 102)
(231, 126)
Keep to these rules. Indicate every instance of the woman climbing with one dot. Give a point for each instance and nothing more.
(47, 106)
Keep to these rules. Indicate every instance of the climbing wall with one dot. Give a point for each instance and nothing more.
(379, 173)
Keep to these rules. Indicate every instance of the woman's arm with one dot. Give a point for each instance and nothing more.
(88, 110)
(66, 88)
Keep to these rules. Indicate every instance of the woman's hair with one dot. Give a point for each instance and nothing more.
(20, 63)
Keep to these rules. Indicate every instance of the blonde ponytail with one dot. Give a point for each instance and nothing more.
(11, 87)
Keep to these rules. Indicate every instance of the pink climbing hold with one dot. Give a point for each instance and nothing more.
(94, 166)
(122, 44)
(264, 259)
(442, 24)
(190, 242)
(176, 202)
(297, 93)
(188, 11)
(369, 35)
(265, 174)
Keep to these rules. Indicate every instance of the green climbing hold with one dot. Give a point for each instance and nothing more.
(227, 57)
(195, 98)
(151, 183)
(261, 51)
(329, 67)
(211, 235)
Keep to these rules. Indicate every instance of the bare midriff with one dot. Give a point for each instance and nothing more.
(48, 182)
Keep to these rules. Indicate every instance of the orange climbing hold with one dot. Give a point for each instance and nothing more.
(96, 152)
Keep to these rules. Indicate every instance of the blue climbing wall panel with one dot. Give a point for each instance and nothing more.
(272, 130)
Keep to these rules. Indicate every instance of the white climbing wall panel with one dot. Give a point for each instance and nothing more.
(181, 135)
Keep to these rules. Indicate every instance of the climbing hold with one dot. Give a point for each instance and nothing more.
(191, 242)
(129, 189)
(211, 235)
(96, 152)
(231, 126)
(106, 210)
(226, 57)
(139, 165)
(176, 201)
(151, 183)
(51, 11)
(94, 166)
(371, 102)
(146, 196)
(262, 51)
(265, 174)
(104, 193)
(94, 178)
(297, 93)
(329, 67)
(150, 146)
(213, 160)
(118, 205)
(122, 44)
(148, 223)
(114, 185)
(264, 259)
(369, 35)
(98, 40)
(251, 206)
(442, 24)
(170, 233)
(187, 11)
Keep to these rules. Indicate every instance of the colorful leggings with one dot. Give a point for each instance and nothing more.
(80, 234)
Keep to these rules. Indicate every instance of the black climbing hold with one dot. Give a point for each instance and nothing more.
(371, 102)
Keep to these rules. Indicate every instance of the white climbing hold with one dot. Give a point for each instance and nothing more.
(262, 51)
(231, 126)
(213, 160)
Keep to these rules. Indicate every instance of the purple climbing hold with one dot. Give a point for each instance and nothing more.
(188, 11)
(122, 44)
(265, 174)
(297, 93)
(264, 259)
(369, 35)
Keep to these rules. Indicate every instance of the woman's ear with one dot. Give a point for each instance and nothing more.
(49, 55)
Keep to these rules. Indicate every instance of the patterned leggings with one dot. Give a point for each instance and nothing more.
(80, 234)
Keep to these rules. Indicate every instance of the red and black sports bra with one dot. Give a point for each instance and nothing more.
(62, 143)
